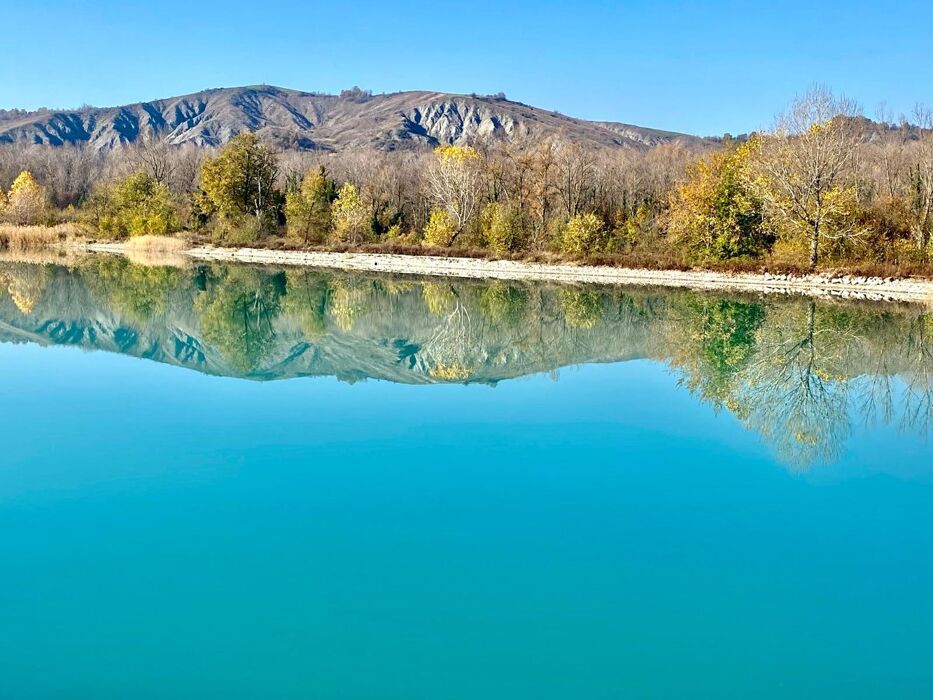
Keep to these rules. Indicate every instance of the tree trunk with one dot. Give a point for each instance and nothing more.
(815, 247)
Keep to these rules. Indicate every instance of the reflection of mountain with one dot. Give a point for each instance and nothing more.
(242, 322)
(790, 369)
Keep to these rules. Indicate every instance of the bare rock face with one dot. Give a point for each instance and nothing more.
(308, 121)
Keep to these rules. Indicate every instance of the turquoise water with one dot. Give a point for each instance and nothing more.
(241, 483)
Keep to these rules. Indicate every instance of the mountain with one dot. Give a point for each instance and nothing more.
(312, 121)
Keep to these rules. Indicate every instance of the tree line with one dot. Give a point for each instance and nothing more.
(824, 185)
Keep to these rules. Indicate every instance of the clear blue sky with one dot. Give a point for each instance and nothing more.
(699, 67)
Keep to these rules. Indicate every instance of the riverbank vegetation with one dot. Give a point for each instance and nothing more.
(825, 187)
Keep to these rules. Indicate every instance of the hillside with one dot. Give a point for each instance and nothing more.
(311, 121)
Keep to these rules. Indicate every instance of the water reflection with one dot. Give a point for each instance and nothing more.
(801, 373)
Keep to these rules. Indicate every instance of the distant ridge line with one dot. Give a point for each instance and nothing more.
(294, 119)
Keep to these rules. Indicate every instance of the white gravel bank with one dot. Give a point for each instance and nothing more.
(846, 286)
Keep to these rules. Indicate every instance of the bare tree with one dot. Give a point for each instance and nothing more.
(921, 183)
(575, 168)
(454, 179)
(154, 156)
(806, 168)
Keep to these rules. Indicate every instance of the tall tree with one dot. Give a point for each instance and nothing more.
(454, 180)
(350, 217)
(240, 180)
(308, 209)
(805, 169)
(920, 196)
(26, 202)
(714, 213)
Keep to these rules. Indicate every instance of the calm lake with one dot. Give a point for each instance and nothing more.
(238, 482)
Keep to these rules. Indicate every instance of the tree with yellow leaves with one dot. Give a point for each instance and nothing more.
(454, 179)
(440, 230)
(26, 202)
(139, 205)
(584, 234)
(714, 213)
(351, 219)
(502, 228)
(308, 210)
(240, 181)
(804, 170)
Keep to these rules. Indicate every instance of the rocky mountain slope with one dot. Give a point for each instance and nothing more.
(308, 121)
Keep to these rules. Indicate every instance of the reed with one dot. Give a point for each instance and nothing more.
(24, 238)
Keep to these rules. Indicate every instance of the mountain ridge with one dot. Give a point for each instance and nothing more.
(295, 119)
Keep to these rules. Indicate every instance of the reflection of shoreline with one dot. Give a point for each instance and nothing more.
(783, 366)
(819, 285)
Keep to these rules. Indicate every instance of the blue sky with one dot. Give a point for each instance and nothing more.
(698, 67)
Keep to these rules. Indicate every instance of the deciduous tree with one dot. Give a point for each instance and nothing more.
(240, 180)
(715, 213)
(440, 230)
(920, 194)
(502, 228)
(350, 218)
(454, 180)
(805, 170)
(137, 206)
(308, 209)
(26, 202)
(584, 234)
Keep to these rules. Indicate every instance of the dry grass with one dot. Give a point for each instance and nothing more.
(23, 238)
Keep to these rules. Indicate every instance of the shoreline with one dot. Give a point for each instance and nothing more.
(821, 285)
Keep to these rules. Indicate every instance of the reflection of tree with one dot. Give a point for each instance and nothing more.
(349, 300)
(439, 298)
(446, 350)
(794, 391)
(306, 302)
(26, 283)
(504, 303)
(453, 372)
(798, 371)
(918, 392)
(582, 308)
(711, 341)
(395, 288)
(140, 292)
(237, 314)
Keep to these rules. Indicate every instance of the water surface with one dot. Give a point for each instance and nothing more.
(226, 481)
